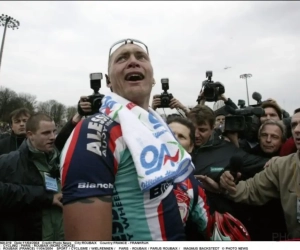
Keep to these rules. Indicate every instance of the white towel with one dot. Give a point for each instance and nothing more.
(157, 155)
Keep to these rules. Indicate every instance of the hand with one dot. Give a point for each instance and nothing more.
(57, 200)
(174, 103)
(202, 98)
(228, 183)
(208, 183)
(85, 105)
(156, 102)
(267, 164)
(232, 137)
(76, 118)
(223, 98)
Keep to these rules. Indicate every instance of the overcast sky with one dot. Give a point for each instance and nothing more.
(60, 43)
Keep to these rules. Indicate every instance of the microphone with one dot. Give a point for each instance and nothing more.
(257, 97)
(235, 165)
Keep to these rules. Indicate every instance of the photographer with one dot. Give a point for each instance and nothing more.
(174, 103)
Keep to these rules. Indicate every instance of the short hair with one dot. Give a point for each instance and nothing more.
(279, 124)
(171, 116)
(34, 121)
(297, 111)
(17, 113)
(268, 104)
(184, 122)
(201, 114)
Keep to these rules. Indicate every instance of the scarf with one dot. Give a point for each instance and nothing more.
(158, 157)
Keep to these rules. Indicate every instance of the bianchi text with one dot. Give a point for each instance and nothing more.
(94, 185)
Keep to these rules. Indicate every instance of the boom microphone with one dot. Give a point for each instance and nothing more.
(257, 97)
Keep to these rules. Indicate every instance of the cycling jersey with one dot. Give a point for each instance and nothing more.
(192, 204)
(96, 162)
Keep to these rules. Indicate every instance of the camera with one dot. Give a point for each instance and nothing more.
(165, 97)
(241, 104)
(244, 121)
(96, 98)
(211, 90)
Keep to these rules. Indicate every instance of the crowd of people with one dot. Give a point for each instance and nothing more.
(125, 173)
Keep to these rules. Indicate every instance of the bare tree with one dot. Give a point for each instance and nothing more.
(54, 109)
(7, 103)
(44, 107)
(70, 112)
(28, 101)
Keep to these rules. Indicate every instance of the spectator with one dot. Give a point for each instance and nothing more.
(279, 180)
(190, 196)
(33, 213)
(18, 119)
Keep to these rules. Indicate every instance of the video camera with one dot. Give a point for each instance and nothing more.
(96, 98)
(165, 97)
(241, 104)
(211, 90)
(244, 121)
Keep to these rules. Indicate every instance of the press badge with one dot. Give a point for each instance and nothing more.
(51, 184)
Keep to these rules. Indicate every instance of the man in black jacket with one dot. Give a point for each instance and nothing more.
(28, 211)
(212, 155)
(34, 211)
(18, 119)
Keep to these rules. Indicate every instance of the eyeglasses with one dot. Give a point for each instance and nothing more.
(115, 46)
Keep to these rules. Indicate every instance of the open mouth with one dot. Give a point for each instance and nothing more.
(134, 76)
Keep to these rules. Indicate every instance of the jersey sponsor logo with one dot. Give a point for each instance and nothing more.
(95, 185)
(120, 224)
(154, 121)
(159, 189)
(157, 158)
(98, 123)
(130, 105)
(108, 104)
